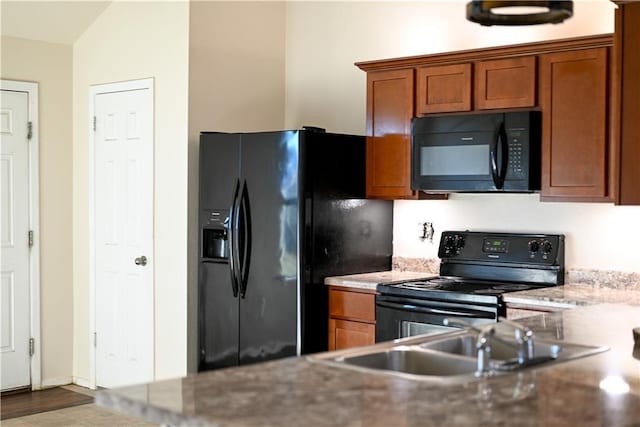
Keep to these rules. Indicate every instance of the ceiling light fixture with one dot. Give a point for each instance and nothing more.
(519, 12)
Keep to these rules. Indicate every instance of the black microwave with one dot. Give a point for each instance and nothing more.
(480, 152)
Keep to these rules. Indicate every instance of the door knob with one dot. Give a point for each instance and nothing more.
(142, 260)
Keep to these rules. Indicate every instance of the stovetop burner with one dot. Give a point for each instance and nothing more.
(438, 283)
(458, 286)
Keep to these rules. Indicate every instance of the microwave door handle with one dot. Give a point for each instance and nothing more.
(493, 160)
(504, 146)
(498, 173)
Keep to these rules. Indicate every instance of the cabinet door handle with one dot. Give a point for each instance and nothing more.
(141, 260)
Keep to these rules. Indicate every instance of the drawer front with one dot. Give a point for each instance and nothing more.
(347, 334)
(352, 305)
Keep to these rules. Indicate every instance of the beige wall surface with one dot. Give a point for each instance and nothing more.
(135, 40)
(50, 66)
(324, 88)
(236, 83)
(324, 39)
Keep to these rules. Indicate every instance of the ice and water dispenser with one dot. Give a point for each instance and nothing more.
(215, 244)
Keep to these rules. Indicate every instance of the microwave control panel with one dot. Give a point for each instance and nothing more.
(518, 155)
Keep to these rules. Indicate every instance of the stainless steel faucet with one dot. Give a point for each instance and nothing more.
(524, 340)
(483, 347)
(524, 343)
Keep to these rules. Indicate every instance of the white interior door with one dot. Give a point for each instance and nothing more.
(14, 219)
(123, 233)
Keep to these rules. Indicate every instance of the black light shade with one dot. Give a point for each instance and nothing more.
(481, 11)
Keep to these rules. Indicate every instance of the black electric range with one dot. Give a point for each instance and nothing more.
(476, 269)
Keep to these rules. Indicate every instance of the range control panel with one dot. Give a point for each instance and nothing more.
(534, 249)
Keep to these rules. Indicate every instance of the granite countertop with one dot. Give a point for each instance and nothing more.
(599, 390)
(371, 280)
(574, 295)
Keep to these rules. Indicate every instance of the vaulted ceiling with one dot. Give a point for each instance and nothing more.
(50, 21)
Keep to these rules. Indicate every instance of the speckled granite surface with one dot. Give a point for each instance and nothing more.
(603, 278)
(583, 286)
(601, 390)
(371, 280)
(570, 296)
(427, 265)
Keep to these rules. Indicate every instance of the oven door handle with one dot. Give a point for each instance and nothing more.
(439, 311)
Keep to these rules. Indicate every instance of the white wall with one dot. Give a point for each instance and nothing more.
(598, 235)
(236, 83)
(324, 88)
(134, 40)
(50, 66)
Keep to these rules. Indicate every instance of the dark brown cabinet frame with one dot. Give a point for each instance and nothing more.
(476, 73)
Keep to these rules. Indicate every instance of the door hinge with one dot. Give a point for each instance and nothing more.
(29, 130)
(32, 346)
(95, 339)
(30, 238)
(94, 123)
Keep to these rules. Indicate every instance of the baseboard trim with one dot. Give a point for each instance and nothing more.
(83, 382)
(55, 382)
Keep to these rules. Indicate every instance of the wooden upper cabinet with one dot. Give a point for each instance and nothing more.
(573, 100)
(389, 113)
(505, 83)
(584, 111)
(443, 89)
(627, 94)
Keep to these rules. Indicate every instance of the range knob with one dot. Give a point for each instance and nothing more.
(534, 246)
(453, 243)
(546, 246)
(448, 244)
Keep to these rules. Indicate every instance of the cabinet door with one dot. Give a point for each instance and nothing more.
(505, 83)
(443, 89)
(352, 305)
(347, 334)
(573, 99)
(627, 40)
(389, 113)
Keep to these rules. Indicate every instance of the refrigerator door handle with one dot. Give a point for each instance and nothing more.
(246, 239)
(233, 239)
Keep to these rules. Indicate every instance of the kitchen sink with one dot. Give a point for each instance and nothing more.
(451, 357)
(504, 355)
(465, 345)
(414, 360)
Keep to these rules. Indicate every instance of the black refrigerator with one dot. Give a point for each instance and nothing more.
(279, 212)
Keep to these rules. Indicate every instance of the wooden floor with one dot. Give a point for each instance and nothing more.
(20, 404)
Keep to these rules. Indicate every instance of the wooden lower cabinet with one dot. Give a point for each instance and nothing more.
(347, 334)
(352, 318)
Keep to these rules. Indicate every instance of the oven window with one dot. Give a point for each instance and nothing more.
(454, 160)
(410, 329)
